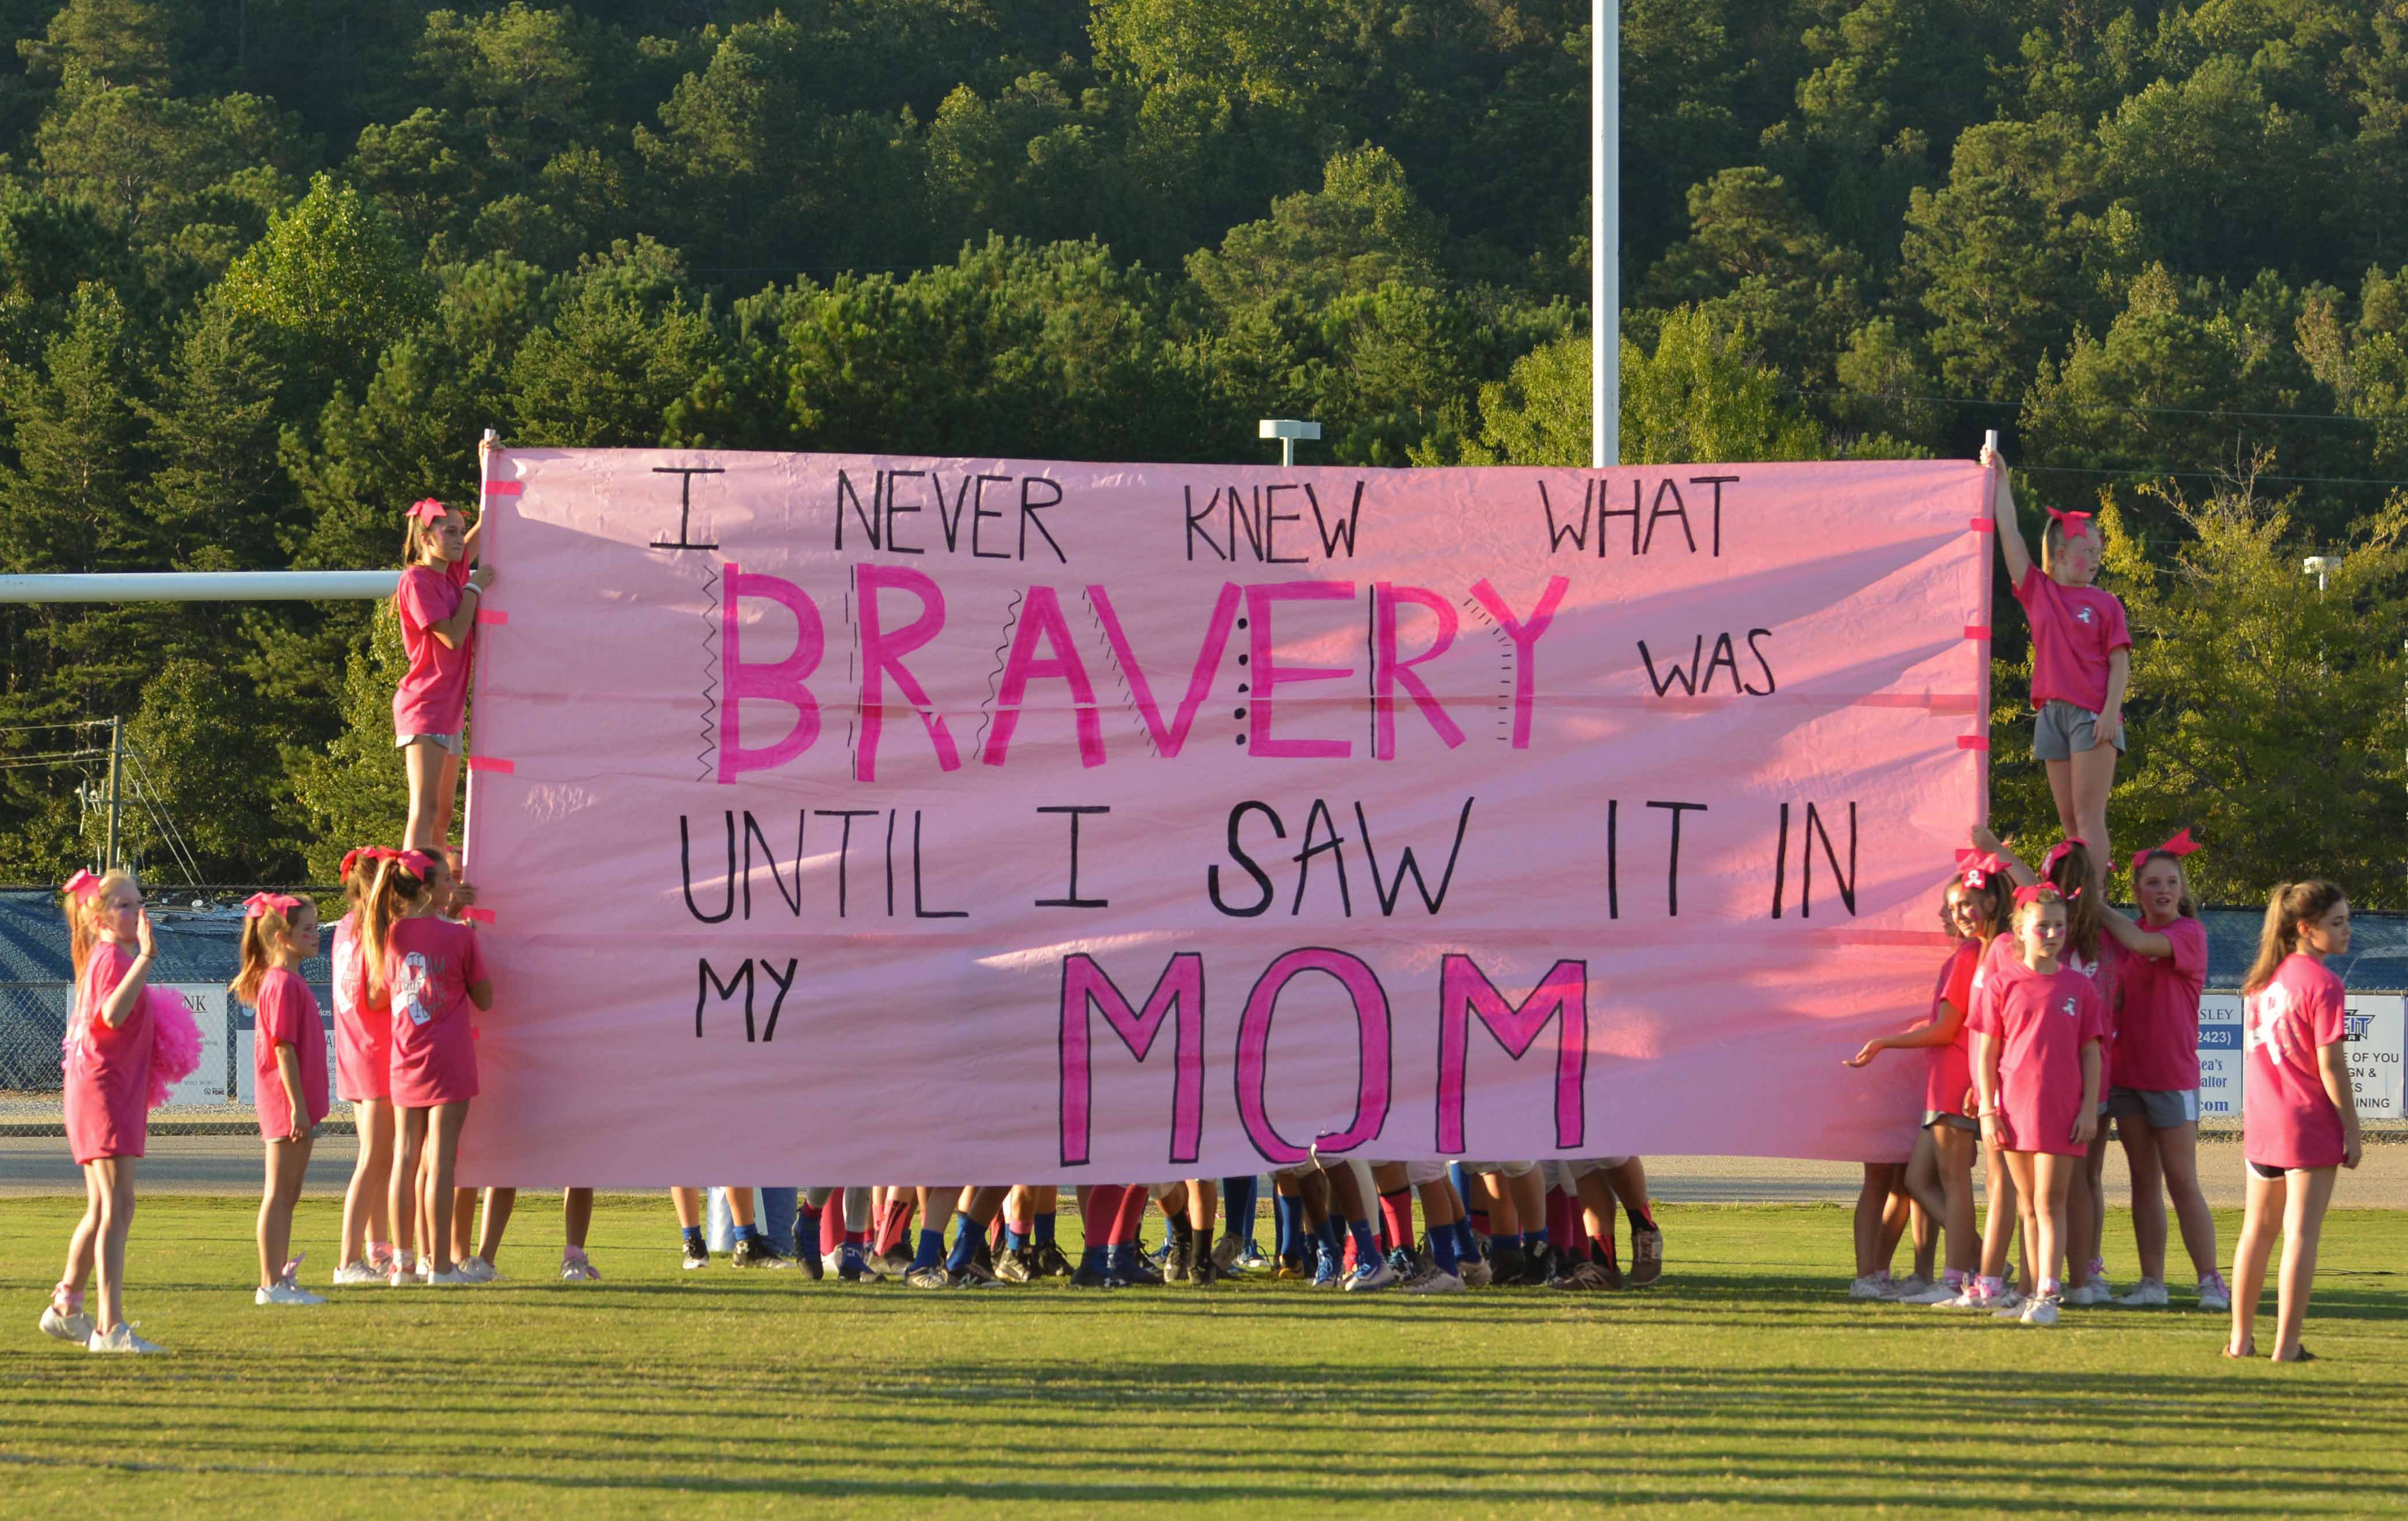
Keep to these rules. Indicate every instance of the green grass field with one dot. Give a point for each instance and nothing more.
(1745, 1381)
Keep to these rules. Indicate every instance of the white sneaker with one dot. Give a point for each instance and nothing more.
(454, 1278)
(2088, 1294)
(576, 1269)
(2147, 1294)
(66, 1328)
(120, 1338)
(2008, 1305)
(1477, 1273)
(1435, 1282)
(1906, 1287)
(2214, 1296)
(1967, 1298)
(350, 1273)
(1870, 1286)
(406, 1278)
(286, 1292)
(1374, 1274)
(1936, 1294)
(2039, 1312)
(479, 1271)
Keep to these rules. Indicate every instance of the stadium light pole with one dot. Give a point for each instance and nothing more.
(1287, 430)
(1605, 233)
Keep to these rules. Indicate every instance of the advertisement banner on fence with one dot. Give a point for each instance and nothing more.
(207, 1002)
(851, 817)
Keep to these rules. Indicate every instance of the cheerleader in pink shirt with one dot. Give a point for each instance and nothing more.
(436, 603)
(2081, 658)
(107, 1083)
(431, 972)
(2037, 1031)
(278, 933)
(2301, 1122)
(363, 1075)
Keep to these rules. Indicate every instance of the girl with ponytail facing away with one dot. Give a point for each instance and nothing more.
(289, 1053)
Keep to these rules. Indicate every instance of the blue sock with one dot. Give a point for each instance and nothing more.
(1460, 1181)
(1442, 1241)
(1122, 1261)
(932, 1249)
(1366, 1244)
(1013, 1240)
(1287, 1218)
(748, 1233)
(1326, 1234)
(1093, 1259)
(964, 1246)
(806, 1231)
(1533, 1239)
(694, 1237)
(1044, 1236)
(1466, 1249)
(1237, 1197)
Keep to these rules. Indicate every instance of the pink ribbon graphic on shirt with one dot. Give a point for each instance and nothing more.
(2071, 524)
(82, 884)
(2178, 847)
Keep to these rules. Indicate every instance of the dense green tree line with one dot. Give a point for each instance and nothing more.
(267, 268)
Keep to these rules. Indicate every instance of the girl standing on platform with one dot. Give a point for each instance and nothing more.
(1974, 910)
(2037, 1031)
(2082, 657)
(2153, 1098)
(431, 972)
(108, 1082)
(289, 1054)
(436, 602)
(363, 1075)
(2300, 1122)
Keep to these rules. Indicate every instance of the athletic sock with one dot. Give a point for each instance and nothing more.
(1466, 1248)
(1441, 1245)
(748, 1233)
(692, 1236)
(1953, 1280)
(852, 1239)
(1533, 1239)
(1396, 1213)
(966, 1243)
(807, 1233)
(1287, 1224)
(1367, 1246)
(1329, 1236)
(932, 1249)
(2051, 1289)
(1015, 1237)
(1639, 1216)
(1237, 1197)
(1043, 1235)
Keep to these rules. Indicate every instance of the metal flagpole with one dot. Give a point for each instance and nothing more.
(1605, 233)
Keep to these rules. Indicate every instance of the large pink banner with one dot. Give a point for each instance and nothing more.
(850, 819)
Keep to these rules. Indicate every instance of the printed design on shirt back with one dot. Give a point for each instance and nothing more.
(2263, 1014)
(347, 961)
(408, 988)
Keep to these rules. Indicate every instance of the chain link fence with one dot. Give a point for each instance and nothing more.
(32, 1024)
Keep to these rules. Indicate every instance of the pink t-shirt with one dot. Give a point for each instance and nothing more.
(288, 1015)
(2042, 1023)
(2157, 1032)
(2289, 1120)
(1949, 1069)
(2105, 974)
(108, 1072)
(433, 698)
(362, 1021)
(2073, 631)
(429, 964)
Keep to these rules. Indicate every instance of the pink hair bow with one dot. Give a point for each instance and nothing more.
(82, 884)
(2178, 847)
(2072, 525)
(1980, 869)
(2037, 892)
(427, 509)
(2059, 851)
(258, 904)
(417, 863)
(350, 859)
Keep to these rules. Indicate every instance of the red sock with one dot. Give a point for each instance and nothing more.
(1397, 1214)
(832, 1224)
(1097, 1215)
(1575, 1231)
(1559, 1212)
(1132, 1215)
(898, 1223)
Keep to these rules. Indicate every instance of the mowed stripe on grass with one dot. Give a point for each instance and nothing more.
(1744, 1381)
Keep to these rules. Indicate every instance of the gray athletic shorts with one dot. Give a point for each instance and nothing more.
(2062, 729)
(2163, 1108)
(447, 743)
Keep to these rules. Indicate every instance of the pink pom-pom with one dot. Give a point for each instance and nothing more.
(175, 1043)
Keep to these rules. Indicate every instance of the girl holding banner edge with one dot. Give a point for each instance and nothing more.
(2081, 658)
(436, 602)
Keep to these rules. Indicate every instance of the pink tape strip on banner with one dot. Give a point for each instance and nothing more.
(482, 916)
(505, 488)
(492, 617)
(488, 763)
(1977, 631)
(1973, 741)
(1985, 526)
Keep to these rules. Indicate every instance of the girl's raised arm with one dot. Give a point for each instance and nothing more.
(2131, 936)
(118, 1006)
(1984, 840)
(2011, 535)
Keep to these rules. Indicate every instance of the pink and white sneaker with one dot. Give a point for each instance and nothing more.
(575, 1269)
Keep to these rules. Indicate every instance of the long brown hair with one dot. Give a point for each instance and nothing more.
(1990, 900)
(82, 913)
(2291, 904)
(2183, 904)
(2071, 877)
(398, 888)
